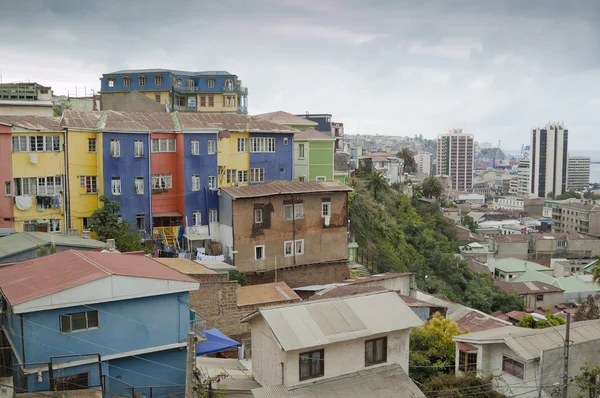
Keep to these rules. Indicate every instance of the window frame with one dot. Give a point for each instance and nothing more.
(323, 206)
(285, 141)
(138, 148)
(141, 81)
(162, 179)
(116, 188)
(242, 176)
(157, 81)
(195, 182)
(55, 225)
(293, 244)
(508, 367)
(8, 188)
(258, 216)
(90, 183)
(373, 351)
(210, 83)
(231, 176)
(301, 151)
(126, 81)
(242, 144)
(196, 218)
(136, 191)
(115, 148)
(262, 248)
(213, 216)
(212, 147)
(92, 142)
(139, 217)
(110, 82)
(262, 144)
(159, 147)
(464, 361)
(87, 322)
(312, 373)
(211, 101)
(320, 179)
(195, 147)
(257, 174)
(22, 143)
(203, 101)
(212, 182)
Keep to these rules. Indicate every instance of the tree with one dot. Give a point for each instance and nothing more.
(529, 322)
(469, 222)
(377, 183)
(408, 157)
(568, 195)
(106, 223)
(588, 309)
(588, 380)
(60, 107)
(550, 195)
(596, 274)
(432, 349)
(469, 385)
(432, 187)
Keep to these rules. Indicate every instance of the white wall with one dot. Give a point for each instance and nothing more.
(400, 284)
(267, 356)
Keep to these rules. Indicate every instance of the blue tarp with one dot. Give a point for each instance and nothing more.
(215, 342)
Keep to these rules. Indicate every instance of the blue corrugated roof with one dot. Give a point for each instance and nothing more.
(173, 71)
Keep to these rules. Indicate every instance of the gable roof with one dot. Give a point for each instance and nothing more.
(286, 118)
(136, 121)
(38, 123)
(230, 122)
(185, 266)
(320, 322)
(533, 287)
(23, 241)
(280, 187)
(81, 119)
(42, 277)
(266, 293)
(518, 265)
(313, 134)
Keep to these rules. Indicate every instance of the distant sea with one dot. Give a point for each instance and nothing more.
(595, 173)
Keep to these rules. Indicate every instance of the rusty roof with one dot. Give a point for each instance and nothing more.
(378, 277)
(513, 238)
(344, 291)
(266, 293)
(46, 123)
(137, 121)
(477, 321)
(561, 236)
(379, 155)
(286, 118)
(81, 119)
(413, 302)
(313, 134)
(279, 187)
(528, 287)
(43, 276)
(231, 122)
(185, 266)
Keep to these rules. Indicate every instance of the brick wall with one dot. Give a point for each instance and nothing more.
(304, 275)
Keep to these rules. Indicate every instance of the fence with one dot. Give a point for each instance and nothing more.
(374, 260)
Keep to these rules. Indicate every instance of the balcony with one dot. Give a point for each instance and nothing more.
(183, 108)
(188, 89)
(228, 88)
(242, 90)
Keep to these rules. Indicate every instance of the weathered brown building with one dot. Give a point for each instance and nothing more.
(288, 226)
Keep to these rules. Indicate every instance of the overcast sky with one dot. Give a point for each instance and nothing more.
(493, 68)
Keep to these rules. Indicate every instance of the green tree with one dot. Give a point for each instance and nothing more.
(239, 277)
(408, 157)
(41, 251)
(469, 222)
(432, 187)
(529, 322)
(588, 380)
(550, 195)
(377, 183)
(596, 274)
(60, 107)
(432, 349)
(469, 385)
(568, 195)
(588, 309)
(106, 223)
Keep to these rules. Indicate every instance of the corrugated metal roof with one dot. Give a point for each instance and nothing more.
(378, 277)
(313, 134)
(81, 119)
(388, 381)
(137, 121)
(173, 71)
(231, 122)
(29, 280)
(518, 265)
(22, 241)
(266, 293)
(45, 123)
(278, 187)
(185, 266)
(321, 322)
(286, 118)
(531, 287)
(529, 343)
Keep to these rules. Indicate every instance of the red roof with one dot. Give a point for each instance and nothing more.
(312, 134)
(279, 187)
(465, 347)
(379, 155)
(29, 280)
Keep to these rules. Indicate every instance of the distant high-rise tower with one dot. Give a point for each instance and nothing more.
(549, 159)
(455, 158)
(578, 173)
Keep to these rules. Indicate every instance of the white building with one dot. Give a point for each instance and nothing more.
(25, 99)
(455, 158)
(312, 341)
(390, 166)
(509, 203)
(527, 362)
(423, 161)
(548, 171)
(523, 178)
(578, 173)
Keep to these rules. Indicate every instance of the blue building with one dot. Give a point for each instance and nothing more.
(208, 92)
(278, 164)
(90, 320)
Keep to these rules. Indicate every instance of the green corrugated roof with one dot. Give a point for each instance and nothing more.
(533, 276)
(570, 284)
(517, 265)
(23, 241)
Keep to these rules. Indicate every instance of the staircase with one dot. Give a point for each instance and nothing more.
(168, 236)
(359, 269)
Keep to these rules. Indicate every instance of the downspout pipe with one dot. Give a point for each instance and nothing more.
(150, 181)
(67, 193)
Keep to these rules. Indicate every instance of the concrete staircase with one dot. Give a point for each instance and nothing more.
(359, 269)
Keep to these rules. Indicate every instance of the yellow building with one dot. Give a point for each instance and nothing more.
(234, 159)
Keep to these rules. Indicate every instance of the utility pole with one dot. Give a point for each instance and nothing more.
(189, 365)
(566, 373)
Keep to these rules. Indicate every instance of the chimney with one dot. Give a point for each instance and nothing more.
(110, 244)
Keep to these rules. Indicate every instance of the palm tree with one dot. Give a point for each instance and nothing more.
(432, 187)
(596, 274)
(377, 182)
(408, 157)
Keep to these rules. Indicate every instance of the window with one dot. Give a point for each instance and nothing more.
(116, 185)
(257, 175)
(212, 182)
(19, 143)
(211, 83)
(242, 144)
(86, 223)
(197, 217)
(213, 215)
(229, 84)
(36, 143)
(7, 190)
(138, 148)
(231, 176)
(375, 351)
(321, 179)
(126, 82)
(140, 222)
(325, 209)
(54, 225)
(91, 145)
(79, 321)
(211, 100)
(115, 148)
(212, 147)
(300, 151)
(242, 176)
(302, 178)
(138, 184)
(203, 101)
(157, 98)
(258, 216)
(162, 181)
(25, 186)
(229, 101)
(467, 361)
(141, 81)
(262, 144)
(312, 364)
(292, 247)
(195, 146)
(195, 182)
(157, 80)
(111, 82)
(190, 83)
(52, 143)
(259, 252)
(539, 297)
(513, 367)
(300, 246)
(163, 145)
(298, 211)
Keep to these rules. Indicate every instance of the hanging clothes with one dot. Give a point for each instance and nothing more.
(23, 202)
(43, 202)
(56, 201)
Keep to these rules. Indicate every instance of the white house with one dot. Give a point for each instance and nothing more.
(528, 362)
(509, 203)
(313, 341)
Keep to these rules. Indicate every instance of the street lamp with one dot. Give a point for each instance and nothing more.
(541, 318)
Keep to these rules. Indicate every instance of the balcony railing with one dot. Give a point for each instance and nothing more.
(183, 108)
(228, 88)
(243, 90)
(186, 88)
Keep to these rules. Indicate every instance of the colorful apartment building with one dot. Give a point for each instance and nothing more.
(163, 168)
(288, 119)
(313, 156)
(167, 90)
(326, 126)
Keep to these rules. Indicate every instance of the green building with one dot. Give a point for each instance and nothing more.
(313, 156)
